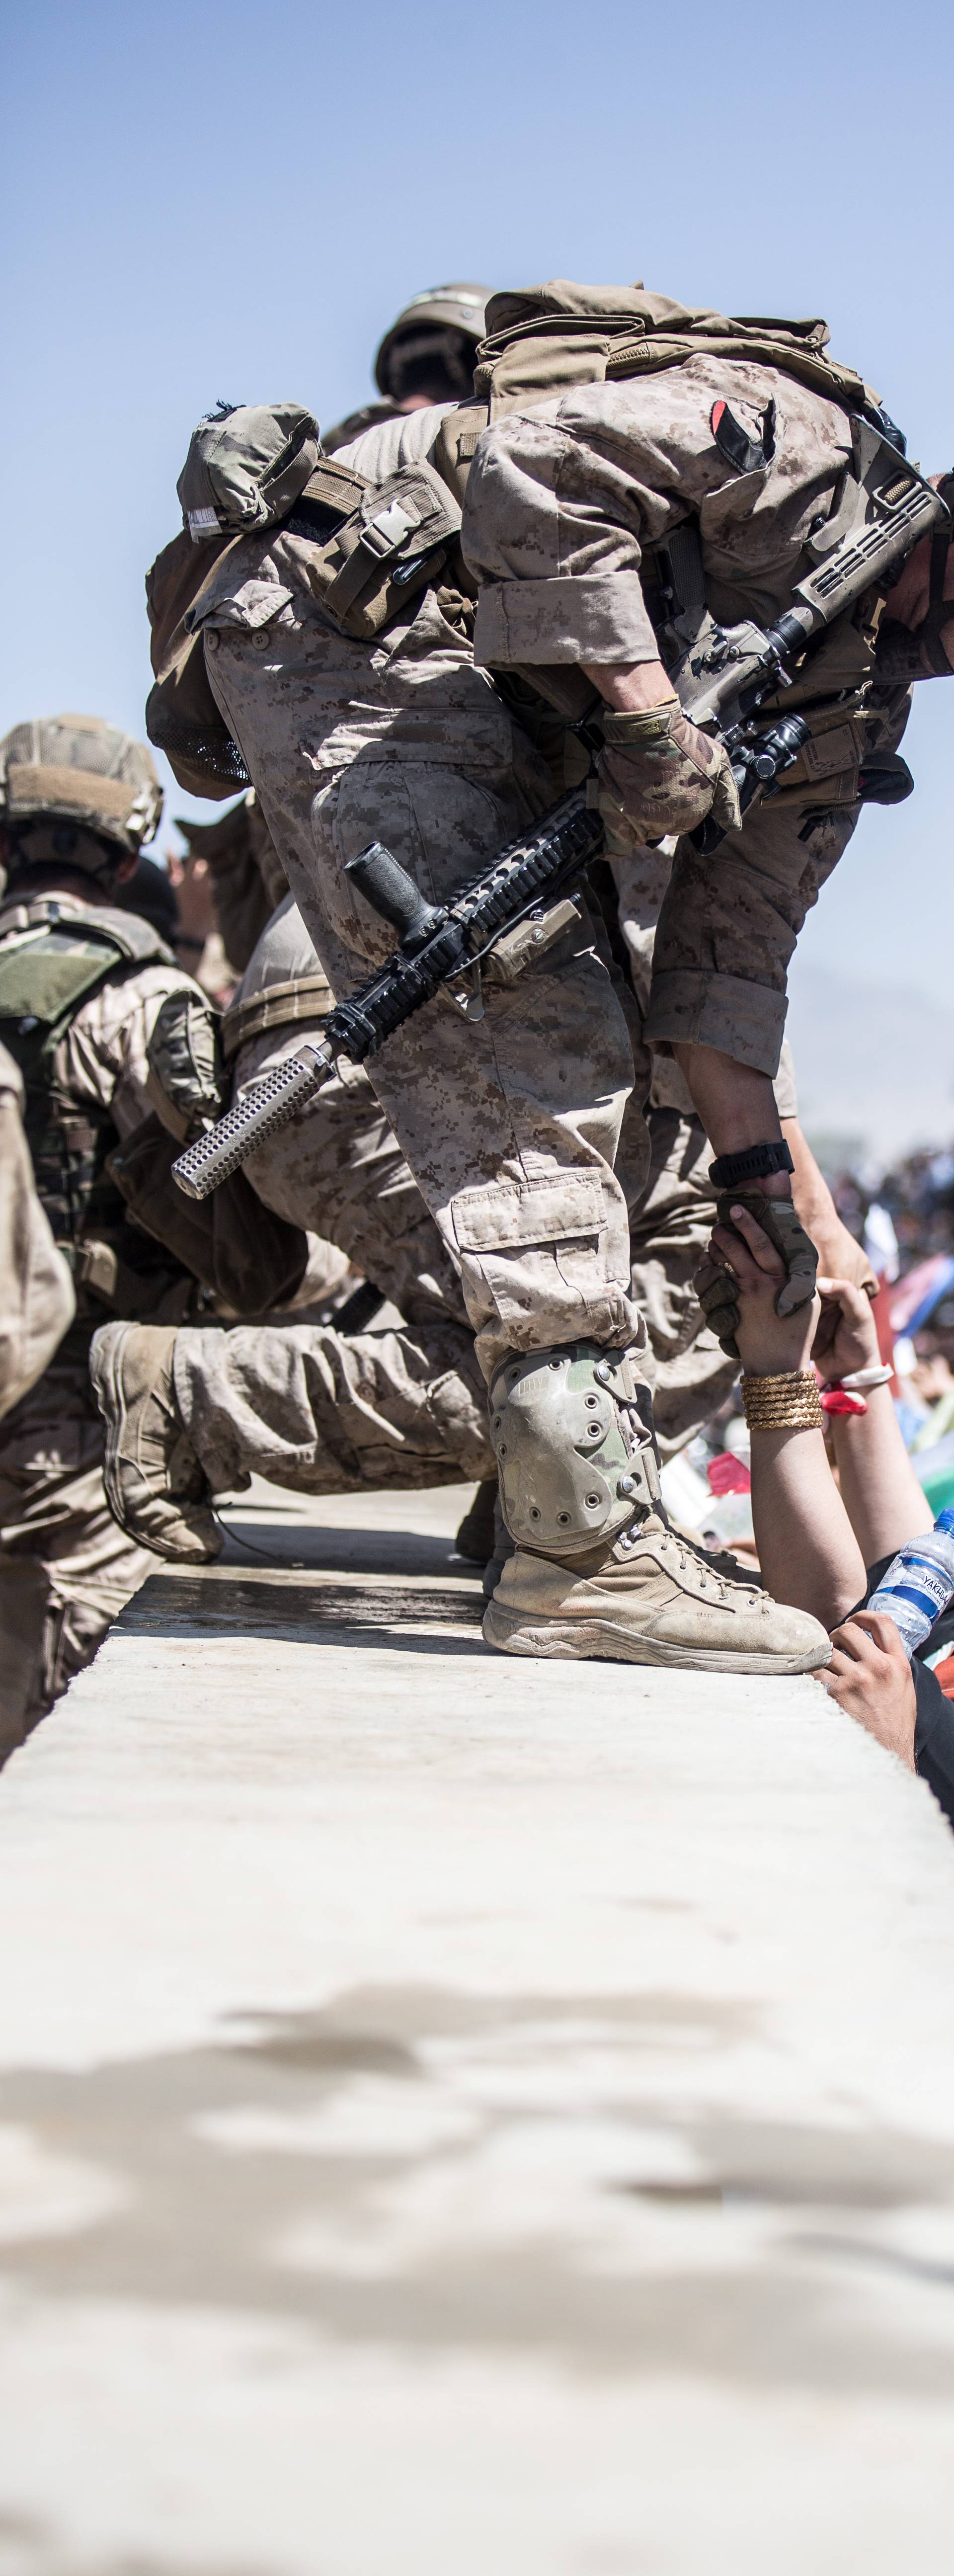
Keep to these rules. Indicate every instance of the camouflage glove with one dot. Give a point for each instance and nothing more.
(187, 1082)
(663, 774)
(715, 1288)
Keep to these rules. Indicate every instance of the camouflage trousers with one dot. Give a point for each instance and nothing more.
(338, 1170)
(513, 1124)
(327, 1413)
(322, 1412)
(66, 1570)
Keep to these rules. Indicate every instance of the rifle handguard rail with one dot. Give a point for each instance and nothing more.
(530, 869)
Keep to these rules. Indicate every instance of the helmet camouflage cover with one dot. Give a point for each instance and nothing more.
(79, 770)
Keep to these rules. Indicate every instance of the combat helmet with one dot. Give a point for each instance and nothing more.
(432, 345)
(70, 783)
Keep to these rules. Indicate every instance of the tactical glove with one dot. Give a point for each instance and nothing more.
(663, 774)
(716, 1289)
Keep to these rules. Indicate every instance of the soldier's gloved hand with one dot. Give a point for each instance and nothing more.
(663, 774)
(715, 1286)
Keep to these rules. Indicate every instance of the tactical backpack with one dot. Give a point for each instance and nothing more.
(375, 546)
(46, 974)
(372, 549)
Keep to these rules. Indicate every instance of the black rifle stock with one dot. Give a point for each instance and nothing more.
(721, 676)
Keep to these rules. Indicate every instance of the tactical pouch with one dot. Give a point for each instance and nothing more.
(392, 544)
(246, 468)
(182, 718)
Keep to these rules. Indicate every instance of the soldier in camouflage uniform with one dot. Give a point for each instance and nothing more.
(81, 983)
(314, 1408)
(426, 357)
(521, 1143)
(515, 1126)
(37, 1303)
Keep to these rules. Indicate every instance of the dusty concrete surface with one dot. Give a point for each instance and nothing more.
(461, 2117)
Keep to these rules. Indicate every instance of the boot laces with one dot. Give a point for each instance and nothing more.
(691, 1559)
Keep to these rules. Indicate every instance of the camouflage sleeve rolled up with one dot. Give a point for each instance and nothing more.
(563, 499)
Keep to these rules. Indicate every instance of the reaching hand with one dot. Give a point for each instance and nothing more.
(870, 1677)
(846, 1338)
(769, 1344)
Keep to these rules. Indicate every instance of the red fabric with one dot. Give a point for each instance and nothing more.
(841, 1399)
(728, 1475)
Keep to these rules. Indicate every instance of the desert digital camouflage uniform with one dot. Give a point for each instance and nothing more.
(37, 1303)
(513, 1138)
(563, 501)
(308, 1406)
(517, 1123)
(66, 1570)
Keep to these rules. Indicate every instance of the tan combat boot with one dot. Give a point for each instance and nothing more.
(597, 1571)
(155, 1487)
(650, 1599)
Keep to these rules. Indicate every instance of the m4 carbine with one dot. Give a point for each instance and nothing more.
(722, 676)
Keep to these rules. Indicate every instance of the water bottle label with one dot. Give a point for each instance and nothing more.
(929, 1586)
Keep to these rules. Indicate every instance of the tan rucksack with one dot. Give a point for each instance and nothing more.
(542, 339)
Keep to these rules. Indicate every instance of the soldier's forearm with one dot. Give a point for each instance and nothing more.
(630, 684)
(736, 1105)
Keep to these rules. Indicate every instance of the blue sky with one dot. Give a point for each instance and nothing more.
(234, 200)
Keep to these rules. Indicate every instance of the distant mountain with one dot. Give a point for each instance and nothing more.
(875, 1062)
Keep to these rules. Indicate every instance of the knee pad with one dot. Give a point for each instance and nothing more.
(572, 1433)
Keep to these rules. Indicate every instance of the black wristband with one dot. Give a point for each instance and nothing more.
(756, 1164)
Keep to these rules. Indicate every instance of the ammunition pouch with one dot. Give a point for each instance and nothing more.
(572, 1434)
(392, 542)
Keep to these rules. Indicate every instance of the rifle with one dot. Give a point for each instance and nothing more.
(722, 677)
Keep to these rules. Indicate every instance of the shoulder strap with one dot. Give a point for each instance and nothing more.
(45, 976)
(304, 997)
(455, 443)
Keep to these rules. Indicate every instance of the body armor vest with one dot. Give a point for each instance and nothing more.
(48, 968)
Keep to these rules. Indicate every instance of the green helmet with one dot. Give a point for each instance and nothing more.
(431, 347)
(77, 775)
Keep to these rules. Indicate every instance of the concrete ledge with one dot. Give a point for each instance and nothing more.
(459, 2114)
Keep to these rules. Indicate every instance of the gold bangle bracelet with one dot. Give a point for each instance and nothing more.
(787, 1403)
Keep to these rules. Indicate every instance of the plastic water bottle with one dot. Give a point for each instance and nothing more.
(919, 1582)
